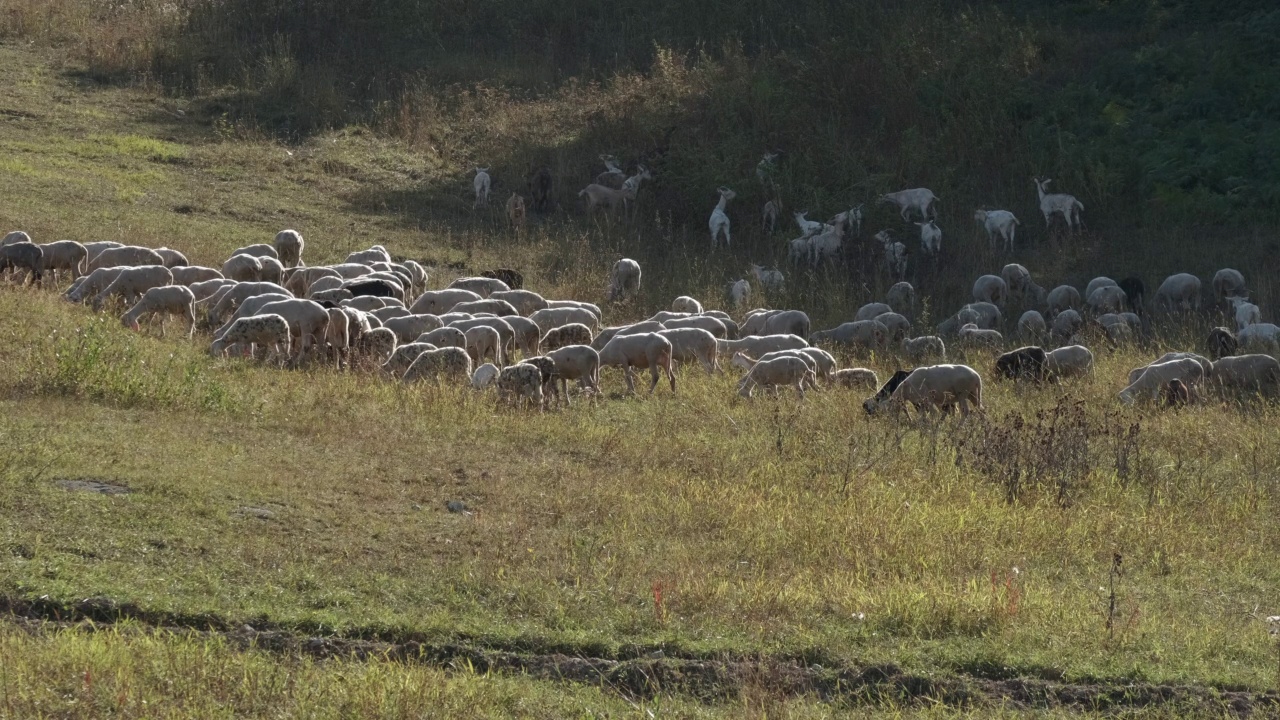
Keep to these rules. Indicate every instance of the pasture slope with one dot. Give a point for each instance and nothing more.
(182, 536)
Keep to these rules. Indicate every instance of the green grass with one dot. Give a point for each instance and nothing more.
(770, 526)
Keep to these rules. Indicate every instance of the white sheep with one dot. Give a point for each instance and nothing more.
(242, 268)
(1107, 299)
(528, 336)
(260, 250)
(1066, 324)
(389, 312)
(934, 386)
(271, 331)
(289, 246)
(919, 199)
(417, 275)
(1031, 326)
(337, 337)
(191, 274)
(1057, 204)
(526, 302)
(1063, 297)
(132, 282)
(719, 222)
(645, 350)
(378, 343)
(93, 249)
(1180, 292)
(205, 289)
(755, 320)
(444, 337)
(484, 376)
(798, 250)
(14, 237)
(565, 335)
(1000, 223)
(693, 344)
(272, 270)
(624, 280)
(1252, 374)
(576, 362)
(554, 317)
(758, 345)
(983, 314)
(308, 323)
(506, 333)
(436, 302)
(992, 289)
(631, 186)
(794, 322)
(172, 258)
(924, 349)
(898, 326)
(127, 255)
(855, 378)
(1228, 283)
(901, 299)
(1068, 361)
(65, 255)
(403, 357)
(521, 382)
(820, 361)
(866, 334)
(409, 327)
(481, 185)
(770, 280)
(972, 336)
(1157, 375)
(485, 307)
(686, 304)
(1246, 313)
(770, 374)
(1098, 282)
(871, 310)
(1017, 279)
(450, 362)
(739, 293)
(165, 300)
(1260, 337)
(930, 238)
(593, 309)
(376, 253)
(483, 342)
(769, 216)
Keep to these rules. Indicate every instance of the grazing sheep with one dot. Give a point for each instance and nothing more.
(409, 327)
(444, 337)
(719, 222)
(855, 378)
(521, 382)
(686, 304)
(901, 298)
(792, 322)
(389, 312)
(1260, 336)
(364, 303)
(516, 214)
(378, 344)
(481, 285)
(270, 331)
(924, 348)
(289, 245)
(1157, 375)
(506, 333)
(1246, 313)
(693, 344)
(972, 336)
(1107, 299)
(1178, 292)
(865, 334)
(1247, 375)
(325, 284)
(1175, 394)
(1031, 326)
(526, 302)
(490, 306)
(435, 302)
(624, 280)
(451, 362)
(484, 342)
(481, 185)
(871, 310)
(576, 362)
(1025, 363)
(528, 337)
(739, 293)
(272, 270)
(935, 386)
(337, 337)
(336, 296)
(983, 314)
(930, 238)
(92, 249)
(770, 374)
(125, 255)
(242, 268)
(16, 236)
(1069, 361)
(873, 403)
(484, 376)
(164, 300)
(646, 350)
(308, 323)
(172, 258)
(920, 200)
(259, 250)
(565, 335)
(1118, 333)
(93, 283)
(377, 253)
(132, 282)
(554, 317)
(192, 274)
(593, 309)
(1205, 364)
(898, 326)
(403, 357)
(417, 276)
(1221, 343)
(755, 319)
(998, 222)
(1058, 204)
(1228, 283)
(1063, 297)
(205, 289)
(1066, 324)
(1098, 282)
(1135, 293)
(990, 288)
(64, 255)
(1017, 279)
(23, 256)
(771, 280)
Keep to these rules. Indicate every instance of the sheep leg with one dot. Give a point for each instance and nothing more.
(800, 388)
(631, 379)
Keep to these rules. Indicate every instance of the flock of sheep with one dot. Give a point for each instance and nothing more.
(370, 310)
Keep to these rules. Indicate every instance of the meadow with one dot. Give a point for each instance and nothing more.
(1060, 539)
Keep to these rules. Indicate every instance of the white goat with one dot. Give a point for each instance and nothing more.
(1057, 204)
(998, 222)
(481, 185)
(919, 199)
(719, 222)
(771, 280)
(930, 237)
(895, 254)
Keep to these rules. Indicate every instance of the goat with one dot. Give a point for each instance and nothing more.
(719, 222)
(515, 211)
(998, 222)
(1058, 204)
(540, 185)
(918, 199)
(612, 177)
(481, 186)
(930, 238)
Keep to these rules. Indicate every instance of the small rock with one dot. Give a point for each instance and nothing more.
(455, 506)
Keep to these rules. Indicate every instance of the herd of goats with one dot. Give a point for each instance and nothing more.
(373, 311)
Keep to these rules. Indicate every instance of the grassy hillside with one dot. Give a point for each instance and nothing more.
(772, 536)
